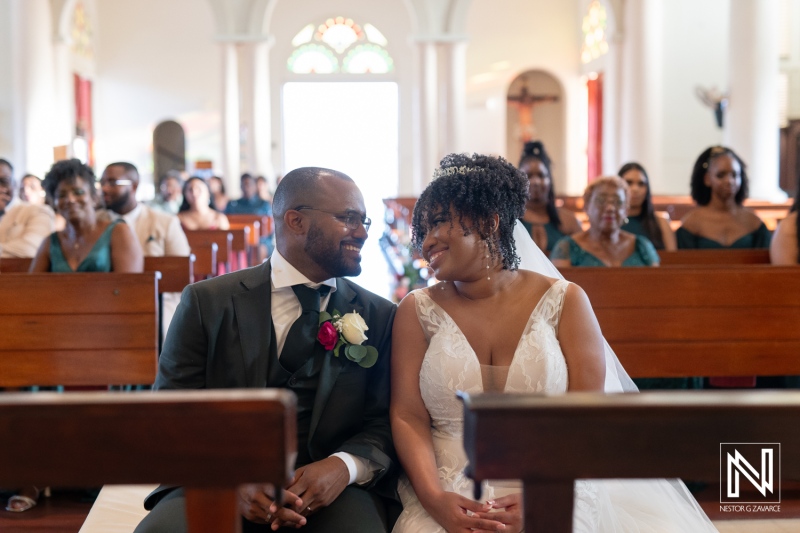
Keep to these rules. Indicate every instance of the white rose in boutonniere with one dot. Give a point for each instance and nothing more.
(353, 328)
(339, 330)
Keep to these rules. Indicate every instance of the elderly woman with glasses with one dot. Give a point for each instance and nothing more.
(605, 243)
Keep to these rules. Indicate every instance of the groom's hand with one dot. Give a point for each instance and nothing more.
(255, 503)
(319, 483)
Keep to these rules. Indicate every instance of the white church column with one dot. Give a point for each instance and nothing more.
(453, 104)
(256, 107)
(230, 116)
(64, 109)
(426, 114)
(640, 87)
(751, 122)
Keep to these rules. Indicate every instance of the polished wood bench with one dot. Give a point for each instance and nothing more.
(207, 441)
(78, 329)
(741, 256)
(699, 321)
(201, 241)
(549, 442)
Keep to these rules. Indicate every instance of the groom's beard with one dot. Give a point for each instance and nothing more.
(329, 255)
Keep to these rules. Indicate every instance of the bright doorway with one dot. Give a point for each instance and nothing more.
(351, 127)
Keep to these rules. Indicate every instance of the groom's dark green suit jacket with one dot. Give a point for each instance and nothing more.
(220, 338)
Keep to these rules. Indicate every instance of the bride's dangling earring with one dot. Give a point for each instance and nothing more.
(488, 276)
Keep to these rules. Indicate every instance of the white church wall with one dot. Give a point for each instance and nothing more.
(26, 92)
(156, 61)
(391, 18)
(695, 52)
(511, 37)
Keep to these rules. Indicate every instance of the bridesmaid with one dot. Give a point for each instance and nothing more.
(545, 222)
(642, 218)
(719, 186)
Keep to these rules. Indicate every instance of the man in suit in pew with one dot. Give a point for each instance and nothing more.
(159, 233)
(260, 327)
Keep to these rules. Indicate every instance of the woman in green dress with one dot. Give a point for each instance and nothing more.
(546, 222)
(642, 218)
(88, 243)
(605, 243)
(719, 187)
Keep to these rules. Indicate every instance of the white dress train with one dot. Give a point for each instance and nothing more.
(538, 365)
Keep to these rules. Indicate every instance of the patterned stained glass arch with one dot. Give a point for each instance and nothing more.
(594, 29)
(340, 45)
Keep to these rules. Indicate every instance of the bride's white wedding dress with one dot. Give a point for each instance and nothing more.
(538, 365)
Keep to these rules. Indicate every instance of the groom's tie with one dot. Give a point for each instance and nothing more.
(302, 337)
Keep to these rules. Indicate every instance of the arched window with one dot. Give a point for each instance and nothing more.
(340, 45)
(594, 32)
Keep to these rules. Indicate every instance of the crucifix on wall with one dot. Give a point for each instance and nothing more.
(525, 102)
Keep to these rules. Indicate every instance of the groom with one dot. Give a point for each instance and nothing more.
(258, 328)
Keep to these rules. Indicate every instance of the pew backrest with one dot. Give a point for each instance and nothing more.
(698, 321)
(207, 441)
(549, 442)
(201, 241)
(176, 271)
(742, 256)
(78, 329)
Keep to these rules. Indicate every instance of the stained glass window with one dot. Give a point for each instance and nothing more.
(594, 32)
(82, 32)
(340, 45)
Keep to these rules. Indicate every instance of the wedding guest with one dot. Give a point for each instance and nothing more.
(31, 190)
(642, 218)
(197, 210)
(263, 189)
(545, 222)
(22, 225)
(159, 233)
(250, 203)
(170, 195)
(88, 243)
(785, 246)
(502, 320)
(719, 186)
(605, 243)
(217, 186)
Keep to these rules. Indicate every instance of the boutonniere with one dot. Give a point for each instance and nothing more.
(337, 331)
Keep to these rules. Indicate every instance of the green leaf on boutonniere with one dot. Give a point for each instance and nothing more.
(324, 316)
(355, 352)
(370, 358)
(339, 344)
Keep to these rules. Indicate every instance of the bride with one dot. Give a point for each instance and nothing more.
(490, 325)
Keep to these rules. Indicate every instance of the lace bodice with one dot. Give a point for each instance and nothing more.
(451, 365)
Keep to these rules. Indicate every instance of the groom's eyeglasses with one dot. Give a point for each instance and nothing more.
(351, 220)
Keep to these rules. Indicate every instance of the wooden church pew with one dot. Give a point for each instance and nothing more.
(744, 256)
(78, 329)
(549, 442)
(207, 441)
(698, 321)
(200, 241)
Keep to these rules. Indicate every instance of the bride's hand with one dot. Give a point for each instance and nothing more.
(458, 514)
(511, 514)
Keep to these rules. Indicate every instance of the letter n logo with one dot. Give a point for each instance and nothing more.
(748, 466)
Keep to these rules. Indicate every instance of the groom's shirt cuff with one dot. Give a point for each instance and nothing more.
(361, 470)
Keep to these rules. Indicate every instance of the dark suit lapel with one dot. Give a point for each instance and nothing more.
(344, 301)
(253, 310)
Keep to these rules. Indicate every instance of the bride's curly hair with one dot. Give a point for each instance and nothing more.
(477, 187)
